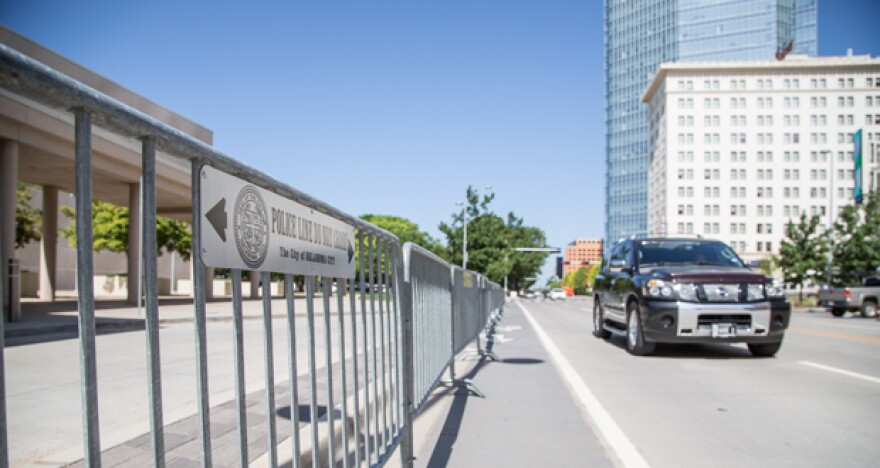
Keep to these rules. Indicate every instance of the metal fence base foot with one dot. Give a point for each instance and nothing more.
(490, 355)
(465, 383)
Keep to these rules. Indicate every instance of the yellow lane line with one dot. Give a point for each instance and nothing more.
(845, 336)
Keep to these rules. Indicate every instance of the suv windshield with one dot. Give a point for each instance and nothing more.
(680, 252)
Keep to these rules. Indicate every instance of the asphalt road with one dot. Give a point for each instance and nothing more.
(817, 403)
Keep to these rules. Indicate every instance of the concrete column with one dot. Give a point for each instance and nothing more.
(255, 284)
(8, 186)
(134, 239)
(49, 243)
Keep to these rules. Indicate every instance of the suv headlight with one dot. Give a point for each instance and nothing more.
(755, 292)
(658, 288)
(671, 290)
(686, 291)
(775, 289)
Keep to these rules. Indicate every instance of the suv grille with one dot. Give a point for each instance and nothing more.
(721, 292)
(740, 320)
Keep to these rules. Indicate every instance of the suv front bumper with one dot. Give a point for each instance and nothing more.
(688, 322)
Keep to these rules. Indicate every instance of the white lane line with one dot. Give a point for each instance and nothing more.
(841, 371)
(609, 430)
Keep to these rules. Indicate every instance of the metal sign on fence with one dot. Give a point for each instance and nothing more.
(255, 229)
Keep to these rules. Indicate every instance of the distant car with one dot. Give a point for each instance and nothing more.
(529, 295)
(862, 298)
(557, 293)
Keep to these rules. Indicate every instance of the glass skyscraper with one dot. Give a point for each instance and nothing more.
(640, 35)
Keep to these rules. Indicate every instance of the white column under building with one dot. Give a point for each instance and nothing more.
(49, 243)
(8, 186)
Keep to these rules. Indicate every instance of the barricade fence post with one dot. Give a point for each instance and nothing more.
(200, 284)
(150, 253)
(85, 285)
(407, 364)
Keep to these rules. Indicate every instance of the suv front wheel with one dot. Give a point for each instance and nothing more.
(764, 349)
(635, 338)
(599, 321)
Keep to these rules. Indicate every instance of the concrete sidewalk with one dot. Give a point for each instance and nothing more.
(527, 418)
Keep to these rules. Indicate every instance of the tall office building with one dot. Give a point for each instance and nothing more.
(642, 34)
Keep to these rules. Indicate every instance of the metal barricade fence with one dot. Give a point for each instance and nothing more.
(386, 338)
(429, 280)
(467, 315)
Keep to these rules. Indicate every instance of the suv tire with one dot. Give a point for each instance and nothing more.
(635, 338)
(764, 349)
(599, 321)
(838, 312)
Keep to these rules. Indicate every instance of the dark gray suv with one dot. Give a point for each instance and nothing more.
(672, 290)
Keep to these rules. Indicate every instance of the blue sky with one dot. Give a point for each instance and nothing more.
(386, 107)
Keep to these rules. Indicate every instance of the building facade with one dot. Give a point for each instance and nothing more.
(37, 145)
(642, 34)
(737, 149)
(583, 251)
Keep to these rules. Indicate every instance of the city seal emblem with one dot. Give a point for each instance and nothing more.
(250, 221)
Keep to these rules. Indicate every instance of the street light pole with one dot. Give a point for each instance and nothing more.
(464, 256)
(830, 218)
(464, 223)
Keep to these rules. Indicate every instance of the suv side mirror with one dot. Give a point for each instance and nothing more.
(617, 265)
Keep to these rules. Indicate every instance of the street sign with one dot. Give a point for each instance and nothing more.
(250, 228)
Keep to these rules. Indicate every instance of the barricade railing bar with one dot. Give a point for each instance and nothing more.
(373, 355)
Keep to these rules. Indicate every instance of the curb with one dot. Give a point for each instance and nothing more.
(105, 326)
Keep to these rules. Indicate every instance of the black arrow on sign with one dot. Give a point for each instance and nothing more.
(350, 252)
(217, 217)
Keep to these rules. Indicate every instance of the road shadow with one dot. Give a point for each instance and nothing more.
(304, 413)
(449, 434)
(67, 328)
(521, 361)
(44, 322)
(460, 395)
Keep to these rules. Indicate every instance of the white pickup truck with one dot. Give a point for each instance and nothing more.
(862, 298)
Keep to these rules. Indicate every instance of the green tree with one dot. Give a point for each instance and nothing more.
(27, 218)
(579, 280)
(524, 264)
(594, 270)
(767, 265)
(406, 231)
(491, 240)
(803, 252)
(857, 241)
(110, 225)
